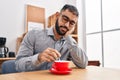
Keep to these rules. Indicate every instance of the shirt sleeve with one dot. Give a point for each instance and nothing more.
(25, 60)
(78, 56)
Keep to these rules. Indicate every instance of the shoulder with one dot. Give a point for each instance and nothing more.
(36, 32)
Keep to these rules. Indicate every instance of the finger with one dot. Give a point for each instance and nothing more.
(51, 56)
(70, 31)
(54, 55)
(47, 59)
(55, 51)
(42, 57)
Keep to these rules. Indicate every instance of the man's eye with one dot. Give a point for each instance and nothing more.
(72, 23)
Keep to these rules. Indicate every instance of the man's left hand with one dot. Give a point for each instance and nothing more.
(70, 31)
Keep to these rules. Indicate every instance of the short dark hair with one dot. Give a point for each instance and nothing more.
(71, 8)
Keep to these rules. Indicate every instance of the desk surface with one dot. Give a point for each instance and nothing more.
(90, 73)
(8, 58)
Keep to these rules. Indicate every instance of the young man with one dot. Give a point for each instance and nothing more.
(40, 48)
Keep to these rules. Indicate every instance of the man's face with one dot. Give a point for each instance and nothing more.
(66, 21)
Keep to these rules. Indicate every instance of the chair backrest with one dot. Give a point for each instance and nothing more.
(19, 40)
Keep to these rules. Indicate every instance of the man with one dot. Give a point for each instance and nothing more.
(40, 48)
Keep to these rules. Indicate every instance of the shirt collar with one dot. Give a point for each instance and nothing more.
(51, 33)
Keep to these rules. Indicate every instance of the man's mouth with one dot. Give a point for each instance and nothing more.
(64, 29)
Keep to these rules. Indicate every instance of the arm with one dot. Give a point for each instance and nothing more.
(77, 55)
(25, 59)
(31, 56)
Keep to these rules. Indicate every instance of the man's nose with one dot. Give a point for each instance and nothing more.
(67, 24)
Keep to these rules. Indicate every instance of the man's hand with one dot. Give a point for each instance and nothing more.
(70, 31)
(48, 55)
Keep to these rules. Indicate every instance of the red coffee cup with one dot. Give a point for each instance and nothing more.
(61, 65)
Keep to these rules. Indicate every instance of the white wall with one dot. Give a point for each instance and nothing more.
(11, 21)
(81, 24)
(12, 16)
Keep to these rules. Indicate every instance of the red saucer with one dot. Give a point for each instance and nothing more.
(54, 71)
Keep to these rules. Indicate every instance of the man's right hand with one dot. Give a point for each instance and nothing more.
(49, 55)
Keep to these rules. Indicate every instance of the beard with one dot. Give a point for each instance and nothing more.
(57, 27)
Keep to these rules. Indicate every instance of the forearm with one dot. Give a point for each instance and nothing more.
(27, 63)
(79, 57)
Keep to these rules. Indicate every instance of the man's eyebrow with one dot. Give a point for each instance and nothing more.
(66, 17)
(69, 18)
